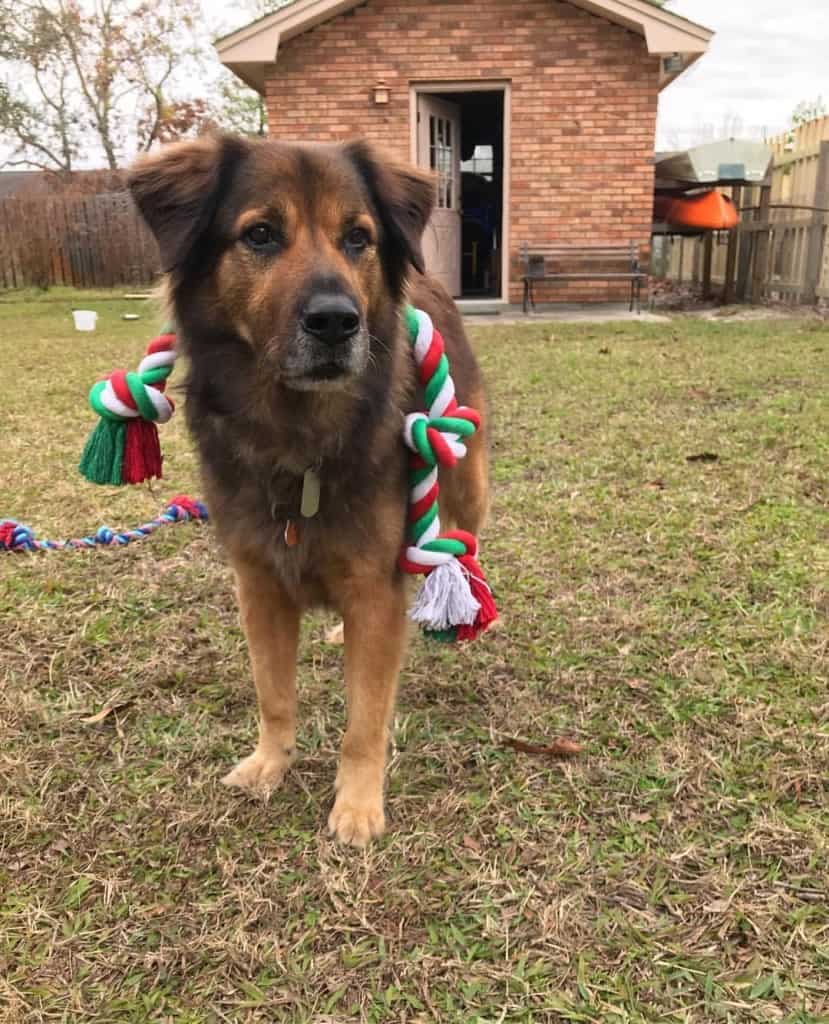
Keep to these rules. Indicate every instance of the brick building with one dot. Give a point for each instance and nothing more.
(537, 116)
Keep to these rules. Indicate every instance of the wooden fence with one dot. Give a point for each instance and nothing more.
(781, 248)
(82, 241)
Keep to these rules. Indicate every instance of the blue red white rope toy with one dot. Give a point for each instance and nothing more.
(15, 536)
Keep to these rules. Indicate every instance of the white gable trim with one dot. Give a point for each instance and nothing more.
(249, 50)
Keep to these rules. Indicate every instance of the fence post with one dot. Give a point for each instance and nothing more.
(731, 257)
(746, 249)
(708, 252)
(762, 240)
(817, 229)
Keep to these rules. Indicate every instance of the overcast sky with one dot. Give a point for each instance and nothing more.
(766, 57)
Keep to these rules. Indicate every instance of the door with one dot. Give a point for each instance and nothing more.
(439, 150)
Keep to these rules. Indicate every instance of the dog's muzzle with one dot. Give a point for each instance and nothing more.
(331, 344)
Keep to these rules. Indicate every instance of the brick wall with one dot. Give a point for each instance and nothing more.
(584, 97)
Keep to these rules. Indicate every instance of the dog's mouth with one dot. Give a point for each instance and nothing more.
(313, 366)
(328, 371)
(322, 376)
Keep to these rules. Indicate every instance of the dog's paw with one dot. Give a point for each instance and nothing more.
(259, 772)
(357, 822)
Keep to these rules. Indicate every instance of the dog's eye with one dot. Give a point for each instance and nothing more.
(357, 240)
(261, 236)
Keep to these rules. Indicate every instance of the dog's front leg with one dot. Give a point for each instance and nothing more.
(374, 620)
(271, 624)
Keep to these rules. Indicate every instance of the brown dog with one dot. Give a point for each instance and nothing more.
(287, 267)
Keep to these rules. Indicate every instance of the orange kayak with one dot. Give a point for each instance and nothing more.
(706, 210)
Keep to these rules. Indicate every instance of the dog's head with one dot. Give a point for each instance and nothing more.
(291, 253)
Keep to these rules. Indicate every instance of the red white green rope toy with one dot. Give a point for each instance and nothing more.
(455, 601)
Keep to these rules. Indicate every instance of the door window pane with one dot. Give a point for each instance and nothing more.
(441, 160)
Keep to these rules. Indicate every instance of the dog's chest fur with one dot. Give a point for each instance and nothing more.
(253, 469)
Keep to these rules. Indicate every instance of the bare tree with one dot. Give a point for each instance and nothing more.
(88, 74)
(41, 123)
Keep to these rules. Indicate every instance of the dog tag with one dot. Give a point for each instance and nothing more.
(310, 503)
(291, 534)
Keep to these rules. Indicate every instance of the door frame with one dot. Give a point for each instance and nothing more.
(479, 85)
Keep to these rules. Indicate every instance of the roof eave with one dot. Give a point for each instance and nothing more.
(250, 49)
(251, 73)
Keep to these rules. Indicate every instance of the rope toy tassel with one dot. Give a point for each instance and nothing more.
(123, 448)
(142, 452)
(487, 612)
(103, 453)
(445, 599)
(455, 601)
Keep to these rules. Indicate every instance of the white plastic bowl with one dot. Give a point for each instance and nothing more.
(84, 319)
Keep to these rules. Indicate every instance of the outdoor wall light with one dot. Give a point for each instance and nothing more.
(672, 63)
(381, 93)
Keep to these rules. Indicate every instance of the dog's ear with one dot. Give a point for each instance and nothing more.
(403, 198)
(178, 189)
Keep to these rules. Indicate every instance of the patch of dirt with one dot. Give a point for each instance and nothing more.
(671, 297)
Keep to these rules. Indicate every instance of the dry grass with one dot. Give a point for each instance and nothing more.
(669, 615)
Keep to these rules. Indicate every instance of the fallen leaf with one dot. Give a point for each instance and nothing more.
(655, 485)
(641, 818)
(698, 393)
(558, 748)
(105, 712)
(702, 457)
(717, 906)
(156, 910)
(471, 844)
(636, 684)
(98, 717)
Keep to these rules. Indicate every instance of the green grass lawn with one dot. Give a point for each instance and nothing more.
(669, 615)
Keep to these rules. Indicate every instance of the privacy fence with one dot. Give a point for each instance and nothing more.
(780, 250)
(83, 241)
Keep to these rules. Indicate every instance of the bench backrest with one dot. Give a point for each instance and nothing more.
(534, 257)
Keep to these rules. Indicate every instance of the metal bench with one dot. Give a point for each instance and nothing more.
(542, 263)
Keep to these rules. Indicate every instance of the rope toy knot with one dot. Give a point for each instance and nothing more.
(181, 509)
(15, 536)
(125, 396)
(437, 439)
(123, 447)
(455, 601)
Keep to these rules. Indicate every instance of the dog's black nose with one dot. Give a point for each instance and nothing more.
(331, 318)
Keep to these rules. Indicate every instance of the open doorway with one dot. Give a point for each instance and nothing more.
(460, 136)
